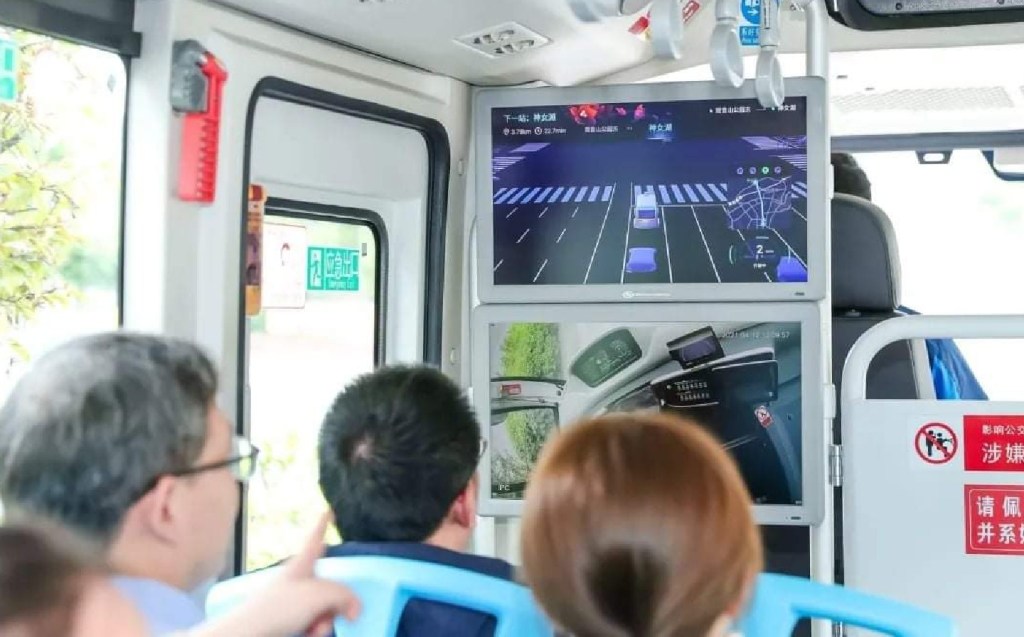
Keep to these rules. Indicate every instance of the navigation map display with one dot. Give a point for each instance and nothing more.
(665, 192)
(651, 192)
(741, 380)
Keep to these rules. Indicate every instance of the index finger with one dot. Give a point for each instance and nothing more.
(302, 563)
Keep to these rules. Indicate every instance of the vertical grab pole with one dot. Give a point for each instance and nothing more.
(817, 37)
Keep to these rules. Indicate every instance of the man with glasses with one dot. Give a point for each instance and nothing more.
(118, 438)
(399, 450)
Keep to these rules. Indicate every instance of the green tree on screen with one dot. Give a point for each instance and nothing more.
(530, 350)
(36, 207)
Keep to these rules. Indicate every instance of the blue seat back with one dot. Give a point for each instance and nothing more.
(781, 601)
(385, 584)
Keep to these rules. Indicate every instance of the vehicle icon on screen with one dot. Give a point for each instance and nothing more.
(645, 214)
(641, 260)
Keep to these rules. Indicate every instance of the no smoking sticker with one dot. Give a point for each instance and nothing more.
(936, 443)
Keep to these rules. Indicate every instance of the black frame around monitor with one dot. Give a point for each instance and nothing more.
(813, 389)
(813, 89)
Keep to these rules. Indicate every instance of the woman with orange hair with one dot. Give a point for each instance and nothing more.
(639, 525)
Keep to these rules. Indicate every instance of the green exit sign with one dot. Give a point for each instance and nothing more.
(332, 269)
(8, 71)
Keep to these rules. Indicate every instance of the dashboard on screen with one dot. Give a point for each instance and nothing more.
(647, 193)
(744, 380)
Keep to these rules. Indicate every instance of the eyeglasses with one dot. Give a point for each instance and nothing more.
(241, 462)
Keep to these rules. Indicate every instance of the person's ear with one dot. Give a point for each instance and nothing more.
(159, 511)
(463, 511)
(472, 493)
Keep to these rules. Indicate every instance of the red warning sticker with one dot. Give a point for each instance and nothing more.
(995, 519)
(994, 443)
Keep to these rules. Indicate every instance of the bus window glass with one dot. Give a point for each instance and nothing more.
(62, 109)
(316, 333)
(960, 230)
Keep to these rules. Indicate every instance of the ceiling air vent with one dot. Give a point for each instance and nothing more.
(504, 40)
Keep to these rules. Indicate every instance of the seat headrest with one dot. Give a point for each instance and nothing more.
(865, 257)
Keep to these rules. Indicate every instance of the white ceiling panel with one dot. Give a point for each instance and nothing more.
(424, 33)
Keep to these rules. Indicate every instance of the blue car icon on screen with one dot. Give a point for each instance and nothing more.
(790, 270)
(641, 260)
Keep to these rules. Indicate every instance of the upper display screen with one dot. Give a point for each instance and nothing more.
(704, 191)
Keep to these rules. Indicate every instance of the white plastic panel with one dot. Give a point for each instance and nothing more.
(905, 527)
(312, 155)
(933, 490)
(182, 260)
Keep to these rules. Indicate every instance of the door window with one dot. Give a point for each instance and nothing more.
(318, 330)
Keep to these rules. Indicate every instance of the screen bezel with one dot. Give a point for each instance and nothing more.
(813, 383)
(812, 88)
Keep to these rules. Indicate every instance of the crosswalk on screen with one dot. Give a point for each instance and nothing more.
(708, 191)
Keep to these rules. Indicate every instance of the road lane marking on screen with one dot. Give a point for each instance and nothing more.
(599, 234)
(625, 251)
(542, 266)
(668, 251)
(706, 246)
(791, 250)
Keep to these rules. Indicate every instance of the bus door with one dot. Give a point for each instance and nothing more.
(345, 242)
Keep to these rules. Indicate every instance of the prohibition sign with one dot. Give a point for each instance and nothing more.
(936, 443)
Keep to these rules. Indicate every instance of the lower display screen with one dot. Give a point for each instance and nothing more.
(741, 381)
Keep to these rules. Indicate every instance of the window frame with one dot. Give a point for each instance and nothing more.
(126, 59)
(438, 147)
(311, 211)
(101, 24)
(928, 142)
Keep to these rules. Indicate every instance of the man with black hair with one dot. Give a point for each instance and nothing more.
(398, 452)
(850, 178)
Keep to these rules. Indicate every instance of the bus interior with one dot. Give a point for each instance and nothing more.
(332, 210)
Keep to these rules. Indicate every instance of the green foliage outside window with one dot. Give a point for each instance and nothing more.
(530, 350)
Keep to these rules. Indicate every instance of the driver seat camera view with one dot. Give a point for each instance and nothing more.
(741, 381)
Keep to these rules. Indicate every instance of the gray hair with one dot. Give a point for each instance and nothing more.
(93, 423)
